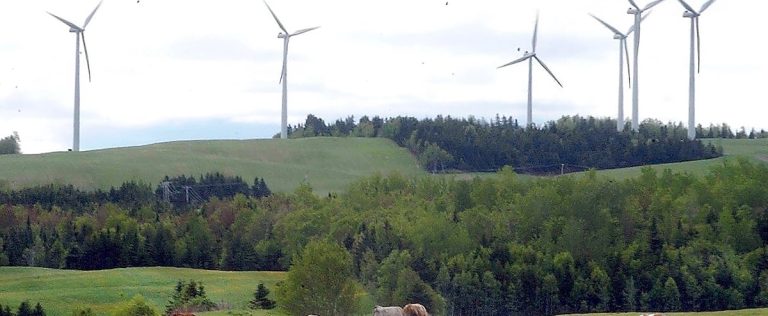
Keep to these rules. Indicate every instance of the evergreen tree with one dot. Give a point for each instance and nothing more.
(260, 299)
(38, 311)
(5, 311)
(25, 309)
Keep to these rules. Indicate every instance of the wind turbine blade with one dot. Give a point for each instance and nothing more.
(607, 25)
(276, 19)
(629, 70)
(651, 5)
(70, 24)
(515, 61)
(305, 30)
(706, 5)
(285, 60)
(688, 7)
(88, 19)
(87, 61)
(535, 31)
(547, 69)
(698, 46)
(642, 18)
(632, 2)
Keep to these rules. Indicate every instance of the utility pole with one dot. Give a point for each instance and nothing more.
(186, 191)
(166, 191)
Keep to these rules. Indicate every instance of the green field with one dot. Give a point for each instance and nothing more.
(62, 291)
(328, 164)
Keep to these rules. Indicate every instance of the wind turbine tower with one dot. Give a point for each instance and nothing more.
(79, 33)
(695, 52)
(530, 56)
(623, 51)
(637, 12)
(284, 74)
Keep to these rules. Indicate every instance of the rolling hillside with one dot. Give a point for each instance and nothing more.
(329, 164)
(62, 291)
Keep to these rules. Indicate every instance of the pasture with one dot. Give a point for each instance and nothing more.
(329, 164)
(62, 291)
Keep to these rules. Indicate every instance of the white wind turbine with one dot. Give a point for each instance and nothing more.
(79, 33)
(623, 50)
(637, 12)
(530, 57)
(694, 16)
(284, 74)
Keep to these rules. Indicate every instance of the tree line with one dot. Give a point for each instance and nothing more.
(470, 144)
(498, 246)
(173, 193)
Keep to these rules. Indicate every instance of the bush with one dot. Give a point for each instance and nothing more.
(136, 307)
(189, 297)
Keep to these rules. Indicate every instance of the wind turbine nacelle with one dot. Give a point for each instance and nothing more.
(281, 35)
(73, 30)
(688, 14)
(617, 36)
(632, 11)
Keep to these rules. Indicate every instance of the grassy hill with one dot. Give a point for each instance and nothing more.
(329, 164)
(62, 291)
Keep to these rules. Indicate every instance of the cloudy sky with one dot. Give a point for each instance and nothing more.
(167, 70)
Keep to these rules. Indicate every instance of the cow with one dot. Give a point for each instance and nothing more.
(387, 311)
(415, 310)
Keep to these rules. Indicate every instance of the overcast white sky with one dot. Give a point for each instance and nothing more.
(168, 70)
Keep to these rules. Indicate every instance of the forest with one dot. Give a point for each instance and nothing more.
(571, 143)
(498, 246)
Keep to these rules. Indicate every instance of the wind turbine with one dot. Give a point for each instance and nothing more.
(623, 50)
(79, 33)
(694, 16)
(530, 57)
(284, 74)
(637, 12)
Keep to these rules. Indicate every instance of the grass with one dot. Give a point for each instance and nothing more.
(743, 312)
(328, 164)
(62, 291)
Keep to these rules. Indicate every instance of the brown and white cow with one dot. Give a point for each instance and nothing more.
(415, 310)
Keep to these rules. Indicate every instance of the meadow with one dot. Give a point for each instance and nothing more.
(62, 291)
(328, 164)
